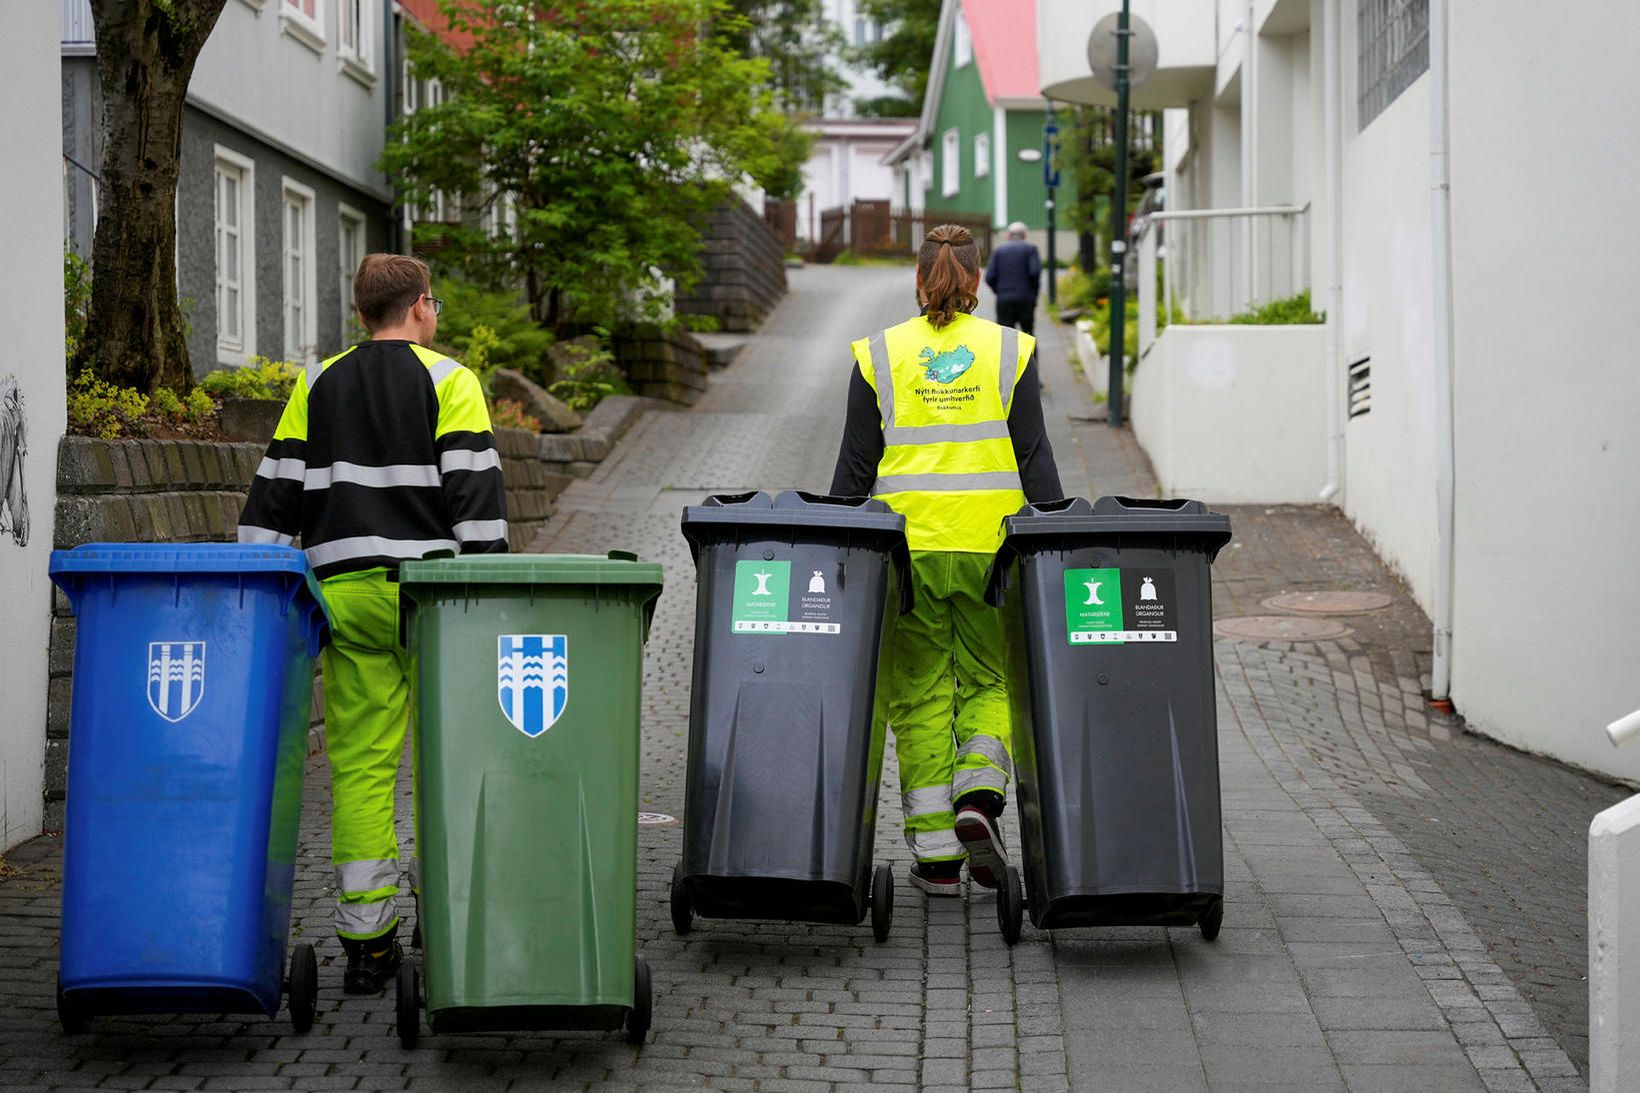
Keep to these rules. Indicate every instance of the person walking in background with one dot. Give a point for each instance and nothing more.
(384, 454)
(945, 425)
(1015, 275)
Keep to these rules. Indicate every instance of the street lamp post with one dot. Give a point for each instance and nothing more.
(1050, 181)
(1118, 230)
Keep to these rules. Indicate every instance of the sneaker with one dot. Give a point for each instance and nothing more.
(938, 878)
(981, 836)
(371, 972)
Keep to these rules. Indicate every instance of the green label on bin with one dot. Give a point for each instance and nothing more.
(763, 602)
(1116, 606)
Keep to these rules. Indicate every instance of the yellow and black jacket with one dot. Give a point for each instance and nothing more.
(384, 453)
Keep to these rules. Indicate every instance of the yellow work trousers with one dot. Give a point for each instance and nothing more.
(948, 698)
(367, 711)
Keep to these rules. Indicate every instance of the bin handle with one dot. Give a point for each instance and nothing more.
(902, 562)
(996, 581)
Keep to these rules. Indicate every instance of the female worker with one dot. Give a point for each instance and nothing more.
(945, 425)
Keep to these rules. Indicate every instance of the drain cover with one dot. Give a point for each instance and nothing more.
(1281, 628)
(655, 819)
(1330, 603)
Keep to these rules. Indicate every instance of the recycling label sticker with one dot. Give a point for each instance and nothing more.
(1116, 606)
(764, 600)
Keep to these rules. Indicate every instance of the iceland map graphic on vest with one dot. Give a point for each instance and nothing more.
(532, 679)
(947, 366)
(176, 677)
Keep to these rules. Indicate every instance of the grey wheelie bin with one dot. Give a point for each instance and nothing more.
(793, 621)
(1109, 627)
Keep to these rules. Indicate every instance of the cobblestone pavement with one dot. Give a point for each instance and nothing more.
(1404, 901)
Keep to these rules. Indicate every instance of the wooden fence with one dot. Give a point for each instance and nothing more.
(873, 228)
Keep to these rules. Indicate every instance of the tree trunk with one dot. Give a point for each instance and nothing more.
(146, 51)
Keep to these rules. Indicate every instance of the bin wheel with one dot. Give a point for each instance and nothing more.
(302, 992)
(1010, 905)
(73, 1017)
(643, 1004)
(683, 914)
(408, 1006)
(882, 902)
(1212, 919)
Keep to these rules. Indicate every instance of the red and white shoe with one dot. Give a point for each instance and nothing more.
(982, 838)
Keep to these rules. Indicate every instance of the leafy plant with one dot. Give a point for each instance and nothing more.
(506, 413)
(511, 338)
(262, 378)
(76, 301)
(101, 409)
(197, 407)
(587, 377)
(1292, 311)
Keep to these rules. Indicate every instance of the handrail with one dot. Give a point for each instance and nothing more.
(1624, 729)
(1209, 214)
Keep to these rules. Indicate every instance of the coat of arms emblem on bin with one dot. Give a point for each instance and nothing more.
(176, 677)
(532, 679)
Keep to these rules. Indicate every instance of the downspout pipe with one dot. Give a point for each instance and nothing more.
(1440, 208)
(1333, 175)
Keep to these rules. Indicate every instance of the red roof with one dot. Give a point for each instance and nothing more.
(1004, 33)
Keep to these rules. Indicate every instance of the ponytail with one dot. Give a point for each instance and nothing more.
(948, 266)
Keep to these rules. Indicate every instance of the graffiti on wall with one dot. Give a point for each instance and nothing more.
(13, 446)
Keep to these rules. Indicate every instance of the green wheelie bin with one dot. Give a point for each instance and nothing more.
(528, 678)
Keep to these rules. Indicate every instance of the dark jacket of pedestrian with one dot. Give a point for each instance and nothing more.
(1015, 272)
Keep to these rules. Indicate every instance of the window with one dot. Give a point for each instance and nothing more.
(350, 252)
(965, 42)
(301, 326)
(355, 21)
(1393, 52)
(866, 30)
(422, 94)
(950, 162)
(982, 155)
(235, 259)
(503, 217)
(304, 20)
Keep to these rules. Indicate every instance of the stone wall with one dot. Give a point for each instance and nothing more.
(745, 270)
(667, 365)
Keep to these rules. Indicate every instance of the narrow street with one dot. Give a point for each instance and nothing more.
(1403, 908)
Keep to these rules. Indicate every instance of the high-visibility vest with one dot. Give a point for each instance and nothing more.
(948, 462)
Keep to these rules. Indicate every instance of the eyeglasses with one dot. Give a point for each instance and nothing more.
(438, 305)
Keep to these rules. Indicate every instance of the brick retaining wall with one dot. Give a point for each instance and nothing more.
(745, 270)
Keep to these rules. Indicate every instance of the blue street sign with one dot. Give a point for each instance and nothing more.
(1050, 155)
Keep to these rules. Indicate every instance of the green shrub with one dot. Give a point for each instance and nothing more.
(512, 339)
(100, 409)
(587, 377)
(260, 379)
(76, 301)
(197, 407)
(1293, 311)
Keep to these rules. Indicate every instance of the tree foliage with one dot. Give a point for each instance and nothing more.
(613, 126)
(1087, 156)
(798, 42)
(904, 53)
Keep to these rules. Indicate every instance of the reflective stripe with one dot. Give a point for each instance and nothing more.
(468, 461)
(940, 483)
(966, 781)
(253, 535)
(989, 747)
(441, 369)
(288, 467)
(945, 434)
(367, 876)
(928, 801)
(1010, 364)
(884, 373)
(314, 371)
(357, 474)
(374, 546)
(934, 844)
(365, 920)
(481, 531)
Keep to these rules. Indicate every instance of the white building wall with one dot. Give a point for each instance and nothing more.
(1546, 257)
(31, 398)
(261, 75)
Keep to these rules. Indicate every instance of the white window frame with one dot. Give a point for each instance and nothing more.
(230, 352)
(295, 22)
(348, 264)
(303, 346)
(982, 155)
(503, 216)
(358, 57)
(963, 47)
(950, 163)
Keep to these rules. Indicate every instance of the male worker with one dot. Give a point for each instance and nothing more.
(1015, 275)
(384, 453)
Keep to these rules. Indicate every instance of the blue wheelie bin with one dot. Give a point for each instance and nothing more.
(193, 680)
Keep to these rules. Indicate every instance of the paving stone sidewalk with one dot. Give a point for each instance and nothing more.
(1404, 901)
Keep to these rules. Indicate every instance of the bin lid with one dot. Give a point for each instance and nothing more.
(616, 567)
(791, 509)
(174, 558)
(1119, 516)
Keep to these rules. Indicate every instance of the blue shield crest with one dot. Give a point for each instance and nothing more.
(532, 679)
(176, 677)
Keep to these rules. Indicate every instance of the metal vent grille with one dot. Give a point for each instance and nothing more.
(1393, 37)
(1360, 387)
